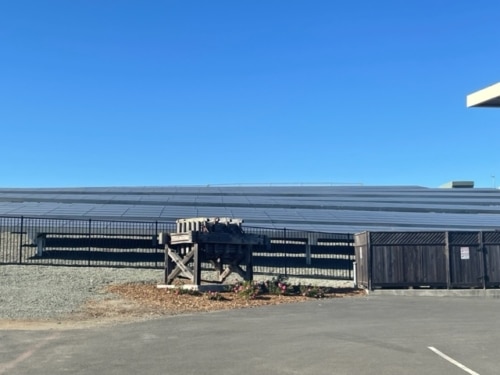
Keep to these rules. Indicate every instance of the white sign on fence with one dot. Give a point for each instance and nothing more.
(464, 253)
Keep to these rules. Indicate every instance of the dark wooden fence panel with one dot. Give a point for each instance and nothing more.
(466, 259)
(413, 262)
(406, 238)
(464, 238)
(491, 246)
(431, 269)
(408, 265)
(385, 266)
(428, 259)
(492, 253)
(466, 266)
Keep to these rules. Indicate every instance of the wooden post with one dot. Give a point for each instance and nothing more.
(484, 265)
(369, 260)
(196, 265)
(448, 259)
(180, 265)
(169, 266)
(249, 262)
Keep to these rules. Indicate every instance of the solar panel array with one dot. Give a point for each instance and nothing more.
(317, 208)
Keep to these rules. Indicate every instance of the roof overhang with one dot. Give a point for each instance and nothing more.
(487, 97)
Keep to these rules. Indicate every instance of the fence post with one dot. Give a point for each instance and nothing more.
(156, 243)
(484, 264)
(354, 274)
(90, 242)
(312, 239)
(369, 260)
(21, 241)
(286, 257)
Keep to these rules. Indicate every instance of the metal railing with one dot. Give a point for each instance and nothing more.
(105, 243)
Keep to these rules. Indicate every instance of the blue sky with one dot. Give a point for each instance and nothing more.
(150, 93)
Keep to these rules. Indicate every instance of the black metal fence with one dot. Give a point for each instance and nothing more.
(81, 242)
(104, 243)
(305, 254)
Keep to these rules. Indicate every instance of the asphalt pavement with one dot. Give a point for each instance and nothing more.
(389, 335)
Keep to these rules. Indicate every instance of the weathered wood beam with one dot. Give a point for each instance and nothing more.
(181, 265)
(223, 276)
(196, 265)
(230, 269)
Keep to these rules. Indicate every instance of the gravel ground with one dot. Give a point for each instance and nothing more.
(43, 292)
(48, 292)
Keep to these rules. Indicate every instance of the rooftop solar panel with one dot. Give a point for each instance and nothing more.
(350, 208)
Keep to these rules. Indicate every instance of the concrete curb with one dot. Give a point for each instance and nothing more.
(490, 293)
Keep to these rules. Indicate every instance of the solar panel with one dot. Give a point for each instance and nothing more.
(324, 208)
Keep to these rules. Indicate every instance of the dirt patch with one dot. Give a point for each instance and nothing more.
(135, 302)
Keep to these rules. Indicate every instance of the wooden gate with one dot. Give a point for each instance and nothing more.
(466, 260)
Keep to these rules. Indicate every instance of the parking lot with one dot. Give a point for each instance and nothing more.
(360, 335)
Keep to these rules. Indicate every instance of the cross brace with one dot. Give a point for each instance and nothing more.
(180, 265)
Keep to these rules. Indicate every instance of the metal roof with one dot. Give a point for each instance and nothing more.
(317, 208)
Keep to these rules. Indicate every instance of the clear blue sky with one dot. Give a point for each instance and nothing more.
(150, 93)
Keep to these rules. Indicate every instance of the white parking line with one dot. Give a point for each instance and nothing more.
(451, 360)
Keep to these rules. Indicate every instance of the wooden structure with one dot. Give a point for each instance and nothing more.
(467, 259)
(219, 241)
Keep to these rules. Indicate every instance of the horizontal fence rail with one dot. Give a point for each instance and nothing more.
(304, 254)
(100, 243)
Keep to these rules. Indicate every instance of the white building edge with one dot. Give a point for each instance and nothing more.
(486, 97)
